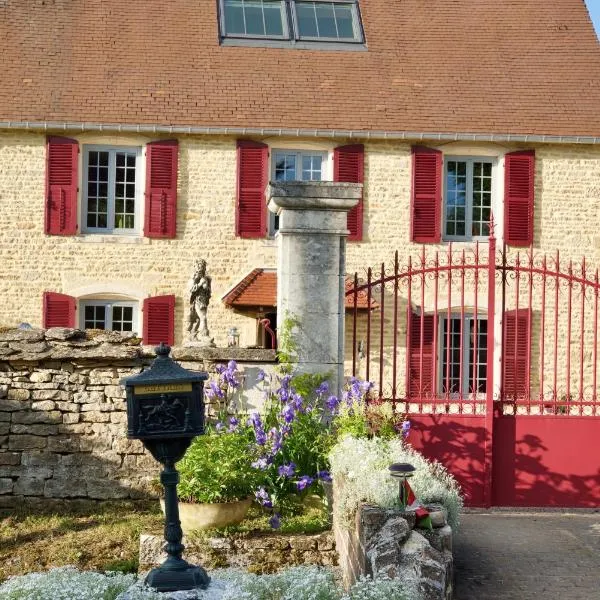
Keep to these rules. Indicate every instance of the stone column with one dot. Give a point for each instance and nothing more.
(311, 269)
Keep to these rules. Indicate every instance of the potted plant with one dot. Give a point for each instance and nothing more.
(217, 479)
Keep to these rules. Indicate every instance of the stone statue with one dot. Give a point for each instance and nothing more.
(200, 292)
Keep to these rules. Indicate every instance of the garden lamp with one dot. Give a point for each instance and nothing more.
(402, 471)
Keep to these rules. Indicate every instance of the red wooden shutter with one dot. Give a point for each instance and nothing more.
(349, 167)
(426, 200)
(159, 320)
(59, 310)
(61, 186)
(421, 380)
(161, 189)
(515, 362)
(251, 208)
(518, 197)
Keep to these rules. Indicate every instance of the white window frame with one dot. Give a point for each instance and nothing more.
(291, 32)
(469, 196)
(356, 23)
(109, 305)
(326, 172)
(139, 189)
(465, 356)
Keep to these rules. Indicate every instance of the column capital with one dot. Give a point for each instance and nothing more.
(313, 195)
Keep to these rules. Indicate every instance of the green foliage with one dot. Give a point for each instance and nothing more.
(306, 446)
(308, 520)
(361, 420)
(287, 348)
(217, 468)
(305, 384)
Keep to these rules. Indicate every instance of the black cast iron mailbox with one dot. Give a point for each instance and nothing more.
(165, 410)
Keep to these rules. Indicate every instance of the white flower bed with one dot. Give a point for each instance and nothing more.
(297, 583)
(66, 583)
(363, 466)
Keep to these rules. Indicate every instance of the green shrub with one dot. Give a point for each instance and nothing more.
(218, 467)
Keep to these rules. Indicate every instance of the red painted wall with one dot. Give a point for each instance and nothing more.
(546, 461)
(456, 441)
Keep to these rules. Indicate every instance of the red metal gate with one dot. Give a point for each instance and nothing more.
(493, 355)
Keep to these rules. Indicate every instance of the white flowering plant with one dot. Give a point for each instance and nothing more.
(362, 464)
(66, 583)
(296, 583)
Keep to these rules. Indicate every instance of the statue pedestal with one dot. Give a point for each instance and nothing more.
(200, 342)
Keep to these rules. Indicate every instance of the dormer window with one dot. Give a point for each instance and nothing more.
(300, 23)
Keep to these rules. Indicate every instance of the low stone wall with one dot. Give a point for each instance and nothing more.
(385, 542)
(63, 412)
(259, 553)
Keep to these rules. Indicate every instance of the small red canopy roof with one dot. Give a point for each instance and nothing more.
(259, 288)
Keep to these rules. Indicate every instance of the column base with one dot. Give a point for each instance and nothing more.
(189, 577)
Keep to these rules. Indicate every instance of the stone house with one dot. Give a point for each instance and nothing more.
(136, 138)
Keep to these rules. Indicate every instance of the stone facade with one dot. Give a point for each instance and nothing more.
(567, 210)
(63, 412)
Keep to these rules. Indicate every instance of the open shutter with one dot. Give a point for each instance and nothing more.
(426, 199)
(518, 197)
(349, 167)
(160, 217)
(61, 186)
(251, 208)
(159, 320)
(59, 310)
(515, 362)
(421, 380)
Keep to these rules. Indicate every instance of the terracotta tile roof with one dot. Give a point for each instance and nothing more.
(489, 66)
(259, 288)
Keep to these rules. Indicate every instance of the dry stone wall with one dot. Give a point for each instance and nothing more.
(63, 413)
(385, 543)
(258, 552)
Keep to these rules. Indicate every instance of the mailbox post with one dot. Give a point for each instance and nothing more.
(165, 410)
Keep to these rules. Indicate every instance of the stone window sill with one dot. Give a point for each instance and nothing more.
(111, 239)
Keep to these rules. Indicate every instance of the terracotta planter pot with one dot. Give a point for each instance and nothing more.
(206, 516)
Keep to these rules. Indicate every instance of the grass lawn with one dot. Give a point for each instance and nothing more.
(103, 538)
(106, 537)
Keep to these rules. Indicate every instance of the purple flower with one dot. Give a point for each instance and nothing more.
(322, 389)
(260, 436)
(304, 482)
(219, 426)
(287, 470)
(263, 498)
(220, 368)
(285, 429)
(285, 382)
(214, 390)
(232, 366)
(233, 424)
(261, 463)
(275, 521)
(366, 386)
(254, 420)
(261, 376)
(297, 401)
(288, 413)
(324, 476)
(332, 403)
(405, 428)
